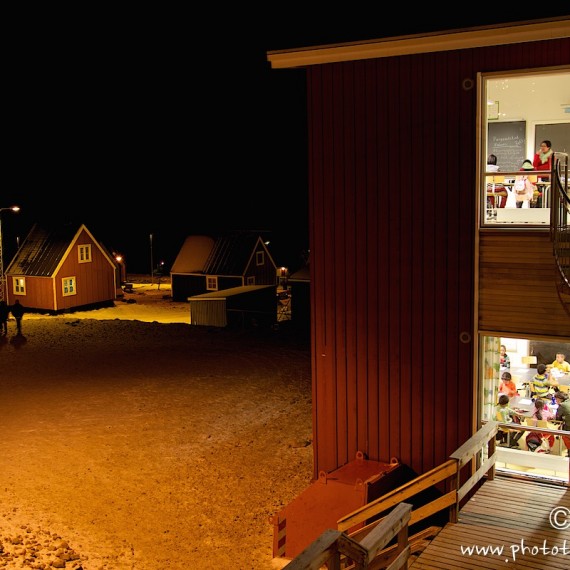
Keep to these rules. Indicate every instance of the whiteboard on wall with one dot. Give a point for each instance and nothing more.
(507, 141)
(557, 133)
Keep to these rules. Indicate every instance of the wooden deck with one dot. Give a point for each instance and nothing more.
(507, 513)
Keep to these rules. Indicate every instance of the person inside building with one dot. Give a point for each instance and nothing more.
(563, 414)
(505, 360)
(543, 161)
(496, 191)
(523, 187)
(535, 439)
(505, 414)
(560, 363)
(540, 383)
(543, 158)
(507, 386)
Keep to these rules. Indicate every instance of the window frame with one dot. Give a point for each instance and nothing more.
(19, 286)
(84, 254)
(72, 286)
(539, 219)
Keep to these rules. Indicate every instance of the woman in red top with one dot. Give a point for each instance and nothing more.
(543, 157)
(543, 161)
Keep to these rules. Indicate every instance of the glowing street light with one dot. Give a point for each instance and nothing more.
(151, 263)
(2, 276)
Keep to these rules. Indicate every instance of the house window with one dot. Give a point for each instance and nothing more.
(250, 280)
(504, 359)
(259, 258)
(19, 285)
(84, 253)
(211, 283)
(68, 286)
(513, 127)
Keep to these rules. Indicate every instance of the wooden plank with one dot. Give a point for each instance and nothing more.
(401, 560)
(387, 529)
(398, 495)
(476, 477)
(317, 553)
(511, 262)
(475, 443)
(433, 507)
(484, 523)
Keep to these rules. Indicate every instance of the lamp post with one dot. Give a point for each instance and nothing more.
(2, 276)
(151, 262)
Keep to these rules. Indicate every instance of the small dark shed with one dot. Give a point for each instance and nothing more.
(238, 307)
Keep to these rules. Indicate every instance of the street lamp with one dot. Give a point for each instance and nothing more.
(2, 276)
(151, 262)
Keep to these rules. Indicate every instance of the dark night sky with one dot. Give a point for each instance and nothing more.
(163, 127)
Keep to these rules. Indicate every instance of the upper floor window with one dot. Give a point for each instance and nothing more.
(259, 258)
(84, 253)
(525, 121)
(68, 286)
(211, 283)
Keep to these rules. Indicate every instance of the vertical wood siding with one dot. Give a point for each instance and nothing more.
(95, 280)
(517, 285)
(392, 147)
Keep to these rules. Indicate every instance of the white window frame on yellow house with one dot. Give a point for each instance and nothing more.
(19, 285)
(84, 253)
(68, 286)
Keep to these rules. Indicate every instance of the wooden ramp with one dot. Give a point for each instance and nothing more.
(510, 514)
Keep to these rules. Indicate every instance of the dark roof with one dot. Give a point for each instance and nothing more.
(231, 254)
(42, 250)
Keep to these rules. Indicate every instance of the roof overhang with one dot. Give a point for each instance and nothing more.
(482, 36)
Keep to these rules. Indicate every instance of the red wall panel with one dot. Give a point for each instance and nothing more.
(392, 156)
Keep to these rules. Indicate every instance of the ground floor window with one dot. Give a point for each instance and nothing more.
(509, 367)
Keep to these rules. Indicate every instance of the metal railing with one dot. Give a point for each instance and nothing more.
(560, 220)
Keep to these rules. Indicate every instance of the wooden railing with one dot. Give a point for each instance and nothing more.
(362, 549)
(332, 544)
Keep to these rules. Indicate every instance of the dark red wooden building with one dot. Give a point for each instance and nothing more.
(406, 277)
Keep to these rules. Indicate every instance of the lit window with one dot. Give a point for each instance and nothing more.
(19, 285)
(68, 286)
(84, 253)
(513, 192)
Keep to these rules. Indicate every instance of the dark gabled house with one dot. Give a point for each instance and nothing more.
(205, 264)
(60, 268)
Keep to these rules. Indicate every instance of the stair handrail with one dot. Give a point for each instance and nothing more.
(560, 220)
